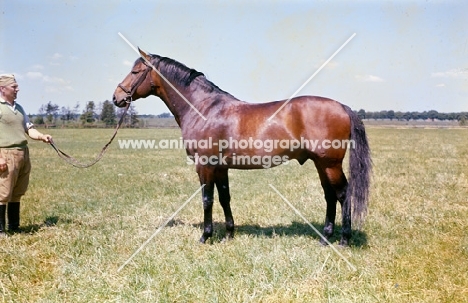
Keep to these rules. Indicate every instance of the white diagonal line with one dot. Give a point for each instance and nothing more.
(164, 78)
(311, 226)
(325, 262)
(130, 44)
(160, 228)
(311, 77)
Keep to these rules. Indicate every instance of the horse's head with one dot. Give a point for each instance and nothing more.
(137, 84)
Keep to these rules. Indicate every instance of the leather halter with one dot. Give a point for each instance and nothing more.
(135, 85)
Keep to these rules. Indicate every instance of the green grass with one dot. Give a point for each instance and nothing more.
(80, 225)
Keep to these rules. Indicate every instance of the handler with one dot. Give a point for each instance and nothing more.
(15, 165)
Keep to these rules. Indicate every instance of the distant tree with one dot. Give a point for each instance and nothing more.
(383, 114)
(462, 121)
(399, 116)
(108, 113)
(361, 114)
(66, 114)
(416, 115)
(407, 116)
(452, 116)
(39, 120)
(432, 114)
(98, 109)
(89, 114)
(391, 114)
(40, 116)
(423, 115)
(51, 111)
(134, 121)
(442, 116)
(164, 115)
(76, 110)
(131, 118)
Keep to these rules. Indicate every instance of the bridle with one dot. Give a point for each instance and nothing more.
(127, 100)
(137, 83)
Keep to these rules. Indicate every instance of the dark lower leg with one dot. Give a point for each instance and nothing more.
(3, 209)
(334, 184)
(222, 184)
(329, 227)
(207, 214)
(13, 211)
(225, 203)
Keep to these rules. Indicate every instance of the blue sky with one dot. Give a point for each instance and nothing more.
(406, 55)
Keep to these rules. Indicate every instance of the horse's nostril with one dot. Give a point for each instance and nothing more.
(114, 99)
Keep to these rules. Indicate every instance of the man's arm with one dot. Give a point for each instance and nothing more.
(37, 135)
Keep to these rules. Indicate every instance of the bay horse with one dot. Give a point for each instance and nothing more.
(205, 113)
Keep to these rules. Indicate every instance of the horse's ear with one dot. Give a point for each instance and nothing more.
(144, 54)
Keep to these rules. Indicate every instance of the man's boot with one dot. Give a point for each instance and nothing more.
(13, 212)
(2, 220)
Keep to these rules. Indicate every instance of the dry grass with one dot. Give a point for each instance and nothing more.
(80, 226)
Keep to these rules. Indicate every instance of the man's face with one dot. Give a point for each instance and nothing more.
(10, 92)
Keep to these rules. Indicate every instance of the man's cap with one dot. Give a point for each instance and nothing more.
(7, 79)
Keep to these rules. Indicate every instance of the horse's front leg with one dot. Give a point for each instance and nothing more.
(222, 184)
(205, 174)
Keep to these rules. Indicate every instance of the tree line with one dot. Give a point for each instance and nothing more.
(102, 114)
(400, 116)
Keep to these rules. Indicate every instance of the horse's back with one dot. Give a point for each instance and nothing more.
(315, 118)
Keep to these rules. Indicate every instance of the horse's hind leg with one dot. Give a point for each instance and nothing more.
(222, 184)
(330, 198)
(334, 185)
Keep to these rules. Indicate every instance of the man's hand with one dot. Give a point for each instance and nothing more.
(3, 165)
(46, 138)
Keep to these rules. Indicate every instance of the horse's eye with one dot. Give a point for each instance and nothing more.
(135, 72)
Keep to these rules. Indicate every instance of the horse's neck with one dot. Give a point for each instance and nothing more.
(190, 103)
(182, 102)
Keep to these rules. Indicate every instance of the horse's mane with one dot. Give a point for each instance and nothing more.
(183, 75)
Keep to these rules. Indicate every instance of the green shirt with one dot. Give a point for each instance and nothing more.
(14, 125)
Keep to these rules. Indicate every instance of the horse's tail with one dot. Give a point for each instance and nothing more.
(360, 167)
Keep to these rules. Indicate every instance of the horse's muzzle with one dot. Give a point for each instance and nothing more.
(120, 102)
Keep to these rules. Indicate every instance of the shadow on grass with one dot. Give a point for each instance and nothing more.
(358, 238)
(34, 228)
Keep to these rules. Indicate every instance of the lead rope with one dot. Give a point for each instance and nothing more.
(76, 163)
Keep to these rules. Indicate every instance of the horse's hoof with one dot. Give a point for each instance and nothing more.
(323, 242)
(227, 239)
(344, 243)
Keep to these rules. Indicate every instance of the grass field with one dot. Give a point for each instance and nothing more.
(81, 225)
